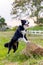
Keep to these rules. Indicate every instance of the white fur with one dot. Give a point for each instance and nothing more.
(23, 32)
(26, 41)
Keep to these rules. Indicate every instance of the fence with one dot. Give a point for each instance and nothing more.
(35, 32)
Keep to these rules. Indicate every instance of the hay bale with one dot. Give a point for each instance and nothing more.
(32, 49)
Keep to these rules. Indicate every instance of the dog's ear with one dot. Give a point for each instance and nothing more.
(23, 22)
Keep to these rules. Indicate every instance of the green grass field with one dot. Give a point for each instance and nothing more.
(18, 58)
(38, 27)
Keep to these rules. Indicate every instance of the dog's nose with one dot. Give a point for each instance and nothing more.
(28, 22)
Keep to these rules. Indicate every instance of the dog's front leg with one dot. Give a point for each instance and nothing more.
(25, 39)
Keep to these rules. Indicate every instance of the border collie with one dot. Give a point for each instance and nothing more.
(20, 33)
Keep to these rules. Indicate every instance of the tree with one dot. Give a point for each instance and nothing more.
(2, 22)
(21, 8)
(38, 6)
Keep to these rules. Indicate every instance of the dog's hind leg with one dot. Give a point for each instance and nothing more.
(15, 46)
(10, 45)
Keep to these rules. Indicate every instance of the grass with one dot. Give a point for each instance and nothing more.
(18, 57)
(36, 28)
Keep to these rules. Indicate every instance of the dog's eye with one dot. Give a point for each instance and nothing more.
(28, 22)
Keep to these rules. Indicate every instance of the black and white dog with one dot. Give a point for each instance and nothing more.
(20, 33)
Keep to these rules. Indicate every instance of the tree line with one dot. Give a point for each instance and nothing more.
(21, 8)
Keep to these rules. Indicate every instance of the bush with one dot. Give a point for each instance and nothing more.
(15, 28)
(40, 20)
(38, 27)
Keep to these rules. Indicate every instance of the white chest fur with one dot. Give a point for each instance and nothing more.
(23, 32)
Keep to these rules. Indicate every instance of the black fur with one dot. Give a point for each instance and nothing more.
(14, 41)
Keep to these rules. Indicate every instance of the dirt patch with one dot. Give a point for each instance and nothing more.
(6, 62)
(33, 49)
(11, 63)
(41, 62)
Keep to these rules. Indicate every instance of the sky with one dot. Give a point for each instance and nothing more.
(5, 9)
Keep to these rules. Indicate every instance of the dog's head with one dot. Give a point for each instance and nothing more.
(25, 22)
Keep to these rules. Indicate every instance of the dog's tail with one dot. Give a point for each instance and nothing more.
(6, 45)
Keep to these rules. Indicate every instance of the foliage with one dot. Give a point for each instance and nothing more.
(2, 24)
(38, 27)
(2, 20)
(14, 28)
(36, 2)
(21, 7)
(40, 20)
